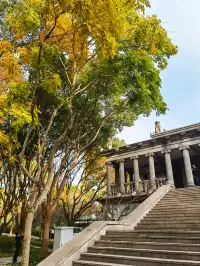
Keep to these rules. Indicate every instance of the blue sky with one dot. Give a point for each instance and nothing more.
(181, 80)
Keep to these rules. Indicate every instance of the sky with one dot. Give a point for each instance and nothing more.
(181, 80)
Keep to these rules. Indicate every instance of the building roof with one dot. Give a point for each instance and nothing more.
(157, 138)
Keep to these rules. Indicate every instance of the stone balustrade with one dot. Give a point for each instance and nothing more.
(144, 187)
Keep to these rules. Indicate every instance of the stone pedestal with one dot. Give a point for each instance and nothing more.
(62, 236)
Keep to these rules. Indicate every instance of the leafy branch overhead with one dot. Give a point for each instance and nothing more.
(72, 74)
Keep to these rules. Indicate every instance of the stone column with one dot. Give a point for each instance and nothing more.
(151, 167)
(122, 176)
(136, 172)
(109, 167)
(169, 169)
(188, 167)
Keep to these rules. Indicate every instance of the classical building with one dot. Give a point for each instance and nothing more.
(169, 156)
(154, 223)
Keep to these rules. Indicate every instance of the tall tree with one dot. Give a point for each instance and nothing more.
(87, 68)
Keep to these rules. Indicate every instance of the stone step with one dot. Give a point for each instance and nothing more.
(161, 215)
(195, 202)
(182, 203)
(169, 232)
(171, 220)
(175, 195)
(177, 208)
(185, 189)
(180, 196)
(161, 226)
(149, 245)
(130, 260)
(187, 212)
(182, 192)
(164, 254)
(153, 238)
(187, 199)
(95, 263)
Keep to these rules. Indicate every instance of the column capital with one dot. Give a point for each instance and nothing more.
(134, 158)
(182, 148)
(150, 154)
(166, 151)
(120, 161)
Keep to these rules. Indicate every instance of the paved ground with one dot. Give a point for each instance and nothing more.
(5, 261)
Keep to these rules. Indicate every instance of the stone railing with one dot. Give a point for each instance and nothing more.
(115, 189)
(144, 187)
(160, 182)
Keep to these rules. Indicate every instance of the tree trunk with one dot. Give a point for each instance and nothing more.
(22, 221)
(45, 236)
(11, 229)
(27, 239)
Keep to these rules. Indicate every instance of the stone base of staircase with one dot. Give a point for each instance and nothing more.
(164, 230)
(168, 235)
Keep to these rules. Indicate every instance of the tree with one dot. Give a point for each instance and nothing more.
(89, 69)
(78, 198)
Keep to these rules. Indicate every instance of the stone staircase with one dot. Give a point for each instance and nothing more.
(168, 235)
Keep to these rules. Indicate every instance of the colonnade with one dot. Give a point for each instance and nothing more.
(152, 175)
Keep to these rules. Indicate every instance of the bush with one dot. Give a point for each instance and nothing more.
(38, 242)
(7, 245)
(36, 231)
(34, 257)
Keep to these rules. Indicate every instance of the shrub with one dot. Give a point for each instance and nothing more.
(36, 231)
(7, 245)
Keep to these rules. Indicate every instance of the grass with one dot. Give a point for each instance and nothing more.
(38, 242)
(7, 245)
(34, 257)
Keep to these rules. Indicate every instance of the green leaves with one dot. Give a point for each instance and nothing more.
(52, 83)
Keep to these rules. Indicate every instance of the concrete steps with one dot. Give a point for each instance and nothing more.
(172, 215)
(169, 220)
(149, 245)
(165, 254)
(177, 208)
(131, 260)
(171, 232)
(168, 226)
(154, 238)
(168, 235)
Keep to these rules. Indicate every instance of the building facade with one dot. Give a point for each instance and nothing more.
(172, 155)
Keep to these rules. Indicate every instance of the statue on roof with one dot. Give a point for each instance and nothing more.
(157, 127)
(109, 144)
